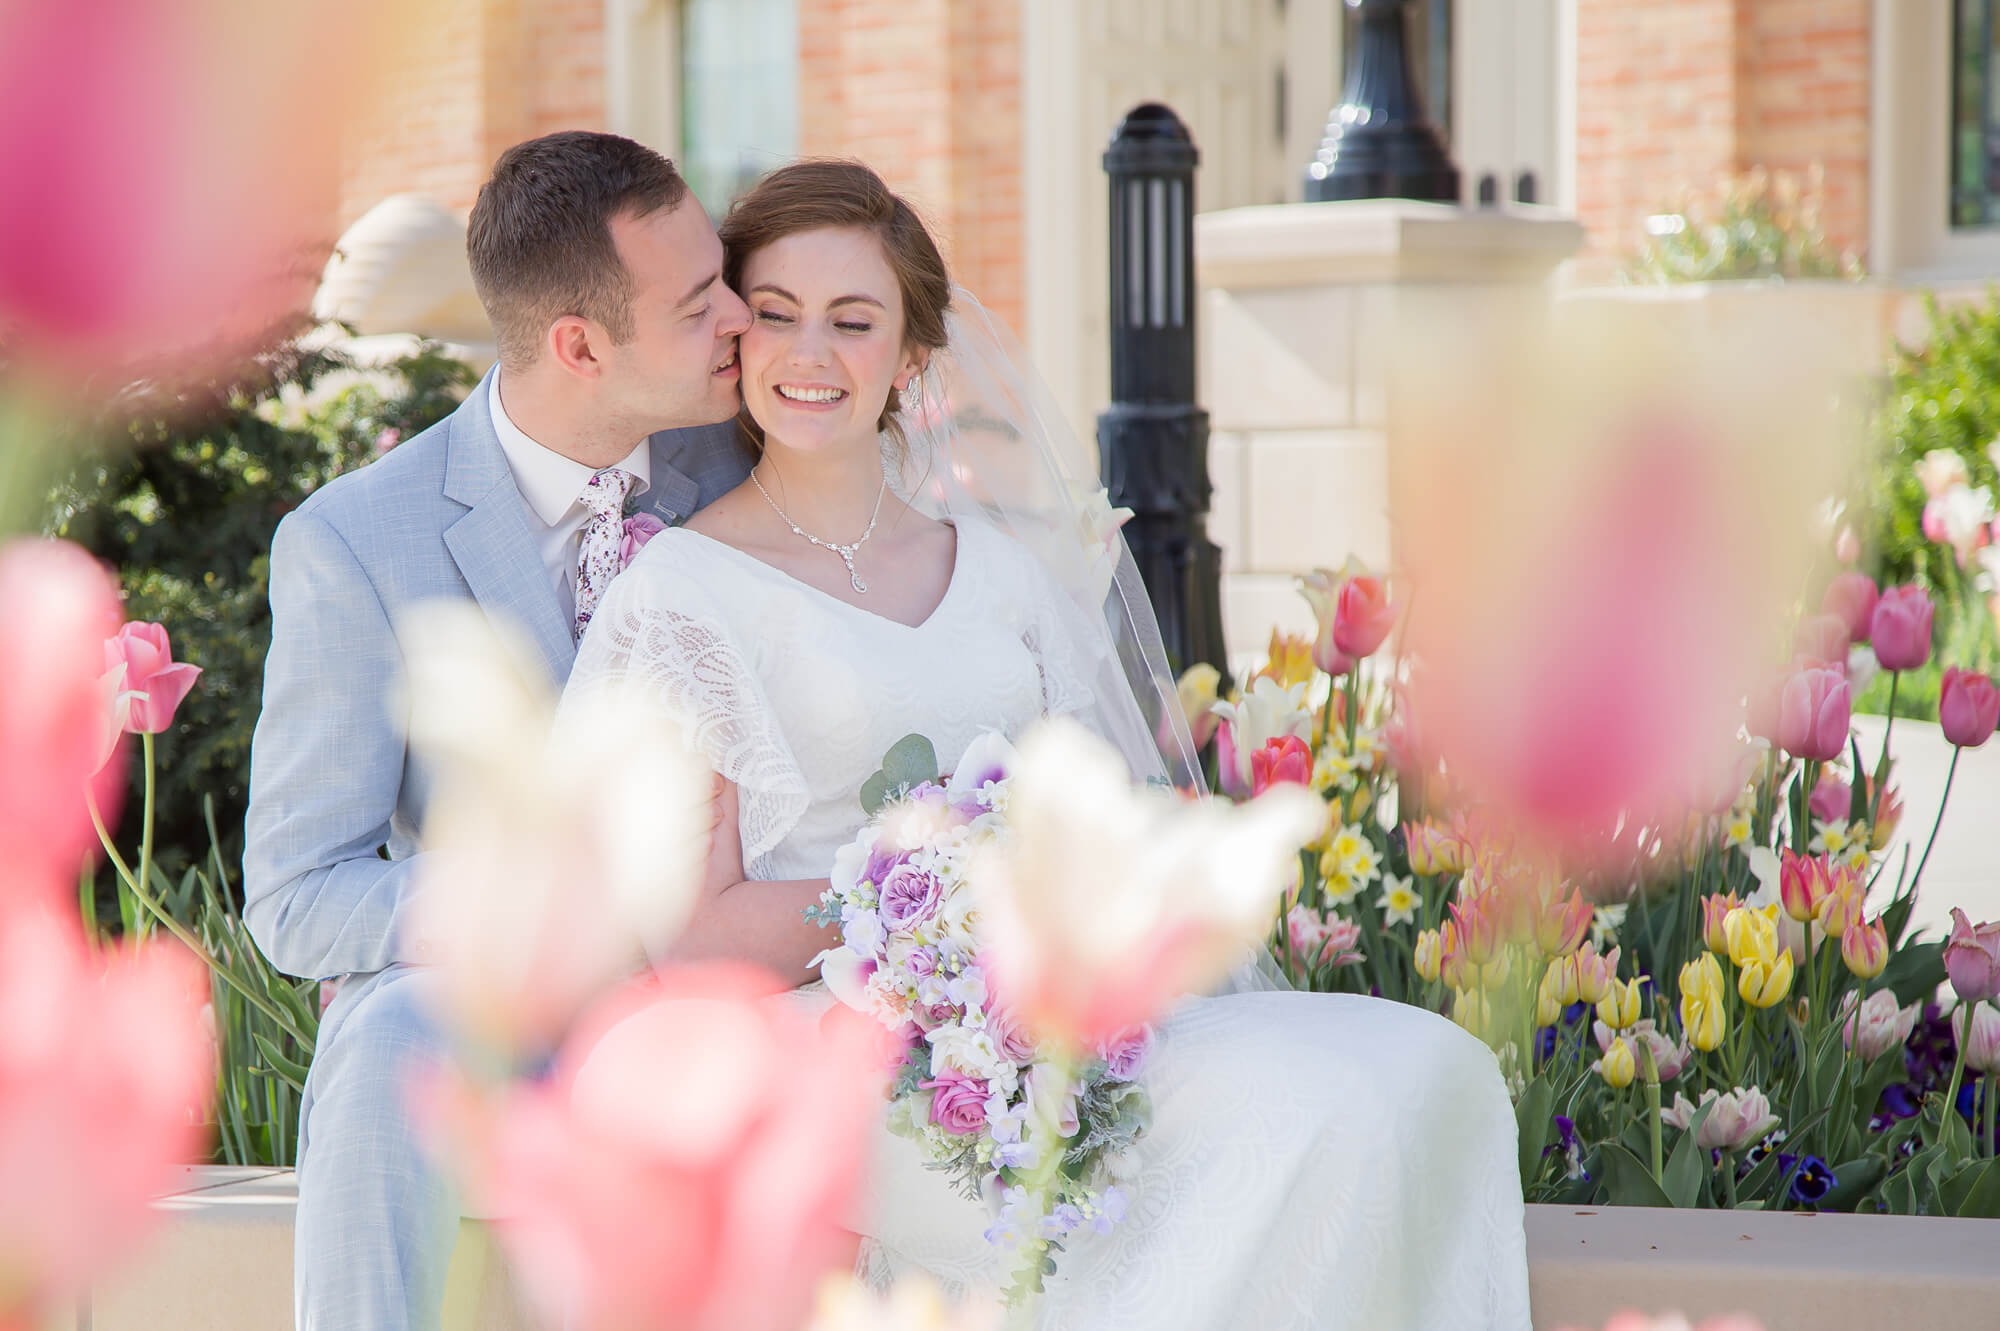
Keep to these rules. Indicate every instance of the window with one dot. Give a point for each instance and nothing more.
(1975, 116)
(739, 73)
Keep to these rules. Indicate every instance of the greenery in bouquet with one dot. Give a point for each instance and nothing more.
(1722, 1008)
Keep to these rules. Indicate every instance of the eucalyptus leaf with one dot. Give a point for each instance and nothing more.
(874, 794)
(910, 761)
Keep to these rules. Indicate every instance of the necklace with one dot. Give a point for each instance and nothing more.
(846, 552)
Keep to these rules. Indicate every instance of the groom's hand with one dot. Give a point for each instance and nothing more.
(725, 842)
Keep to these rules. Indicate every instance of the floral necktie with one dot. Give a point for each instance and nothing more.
(600, 556)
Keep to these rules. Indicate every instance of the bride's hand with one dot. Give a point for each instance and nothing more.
(724, 868)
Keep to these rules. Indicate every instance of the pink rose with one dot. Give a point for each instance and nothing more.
(1900, 628)
(958, 1103)
(1968, 707)
(150, 670)
(387, 439)
(1814, 711)
(639, 529)
(1125, 1052)
(1014, 1040)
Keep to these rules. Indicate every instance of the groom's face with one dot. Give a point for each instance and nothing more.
(679, 367)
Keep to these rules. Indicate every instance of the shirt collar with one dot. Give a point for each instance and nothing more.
(550, 482)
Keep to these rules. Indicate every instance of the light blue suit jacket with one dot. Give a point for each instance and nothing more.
(332, 784)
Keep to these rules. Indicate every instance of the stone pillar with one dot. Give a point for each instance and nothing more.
(1299, 301)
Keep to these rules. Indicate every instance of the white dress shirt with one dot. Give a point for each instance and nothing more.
(553, 486)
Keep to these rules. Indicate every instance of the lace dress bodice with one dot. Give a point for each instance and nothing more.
(796, 696)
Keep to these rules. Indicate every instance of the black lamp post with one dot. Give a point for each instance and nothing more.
(1153, 439)
(1378, 143)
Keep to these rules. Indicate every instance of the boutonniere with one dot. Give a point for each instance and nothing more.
(639, 529)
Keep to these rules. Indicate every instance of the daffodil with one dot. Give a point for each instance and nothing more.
(1399, 901)
(1831, 838)
(1736, 830)
(1338, 885)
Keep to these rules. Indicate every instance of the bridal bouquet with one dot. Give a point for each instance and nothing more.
(1011, 1120)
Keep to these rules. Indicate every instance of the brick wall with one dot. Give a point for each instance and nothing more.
(1672, 96)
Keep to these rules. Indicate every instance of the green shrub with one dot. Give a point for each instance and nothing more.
(1757, 225)
(182, 495)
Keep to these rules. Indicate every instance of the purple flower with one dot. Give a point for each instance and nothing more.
(958, 1103)
(909, 896)
(1110, 1210)
(1812, 1181)
(639, 529)
(1124, 1053)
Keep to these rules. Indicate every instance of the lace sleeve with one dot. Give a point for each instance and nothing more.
(1055, 638)
(659, 629)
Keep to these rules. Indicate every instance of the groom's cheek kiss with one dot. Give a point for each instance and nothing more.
(680, 364)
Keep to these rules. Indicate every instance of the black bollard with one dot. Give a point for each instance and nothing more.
(1153, 439)
(1379, 144)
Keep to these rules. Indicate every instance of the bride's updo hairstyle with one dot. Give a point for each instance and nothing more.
(821, 193)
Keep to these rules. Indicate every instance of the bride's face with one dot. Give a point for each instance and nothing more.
(825, 343)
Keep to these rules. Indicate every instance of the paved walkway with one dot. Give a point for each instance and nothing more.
(1964, 868)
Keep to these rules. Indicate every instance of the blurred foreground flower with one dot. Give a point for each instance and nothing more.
(1107, 902)
(58, 717)
(557, 858)
(1635, 1321)
(691, 1163)
(913, 1304)
(104, 1069)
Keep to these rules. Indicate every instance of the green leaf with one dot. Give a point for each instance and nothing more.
(1914, 972)
(1751, 1185)
(874, 794)
(1981, 1200)
(910, 761)
(1683, 1173)
(1853, 1181)
(1954, 1138)
(1899, 1194)
(290, 1070)
(1626, 1181)
(1534, 1115)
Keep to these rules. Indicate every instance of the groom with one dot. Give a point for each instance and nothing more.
(617, 339)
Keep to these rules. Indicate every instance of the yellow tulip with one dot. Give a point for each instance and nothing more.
(1619, 1009)
(1752, 935)
(1470, 1009)
(1865, 948)
(1703, 1016)
(1429, 955)
(1548, 996)
(1618, 1066)
(1762, 986)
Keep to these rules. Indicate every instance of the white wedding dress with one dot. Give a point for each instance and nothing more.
(1314, 1161)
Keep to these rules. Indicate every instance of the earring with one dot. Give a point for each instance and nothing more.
(913, 391)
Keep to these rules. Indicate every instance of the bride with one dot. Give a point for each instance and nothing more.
(1314, 1161)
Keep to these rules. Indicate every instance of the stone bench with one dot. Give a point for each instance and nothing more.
(224, 1263)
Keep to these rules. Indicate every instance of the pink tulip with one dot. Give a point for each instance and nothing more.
(1321, 940)
(1900, 628)
(690, 1165)
(1638, 1321)
(1814, 712)
(1669, 1059)
(156, 682)
(1982, 1045)
(1832, 799)
(104, 1068)
(1740, 1118)
(1968, 707)
(1865, 949)
(1562, 924)
(1228, 769)
(1803, 884)
(1933, 523)
(1281, 760)
(1321, 588)
(1972, 958)
(1877, 1025)
(639, 529)
(1847, 547)
(1851, 598)
(57, 607)
(1822, 639)
(1363, 617)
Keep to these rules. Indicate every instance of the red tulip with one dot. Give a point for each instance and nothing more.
(1968, 707)
(692, 1163)
(1851, 596)
(1281, 760)
(1822, 638)
(1900, 628)
(57, 608)
(1363, 617)
(104, 1068)
(157, 684)
(1814, 712)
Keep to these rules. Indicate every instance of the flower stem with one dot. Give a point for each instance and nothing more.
(1937, 822)
(1958, 1064)
(1729, 1179)
(146, 827)
(1882, 763)
(1988, 1100)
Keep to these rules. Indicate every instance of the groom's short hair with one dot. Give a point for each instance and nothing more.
(539, 239)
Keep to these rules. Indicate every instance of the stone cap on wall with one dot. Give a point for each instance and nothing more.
(1377, 241)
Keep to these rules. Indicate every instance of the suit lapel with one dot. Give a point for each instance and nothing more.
(495, 545)
(672, 495)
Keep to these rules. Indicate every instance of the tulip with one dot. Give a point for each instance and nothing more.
(1562, 924)
(1618, 1066)
(1982, 1045)
(691, 1162)
(1865, 949)
(1968, 707)
(157, 684)
(1752, 933)
(1620, 1007)
(1847, 549)
(1471, 1009)
(1281, 761)
(1714, 910)
(1940, 469)
(1822, 639)
(1267, 710)
(1288, 660)
(1740, 1118)
(1972, 958)
(1196, 693)
(1453, 968)
(1321, 940)
(1832, 799)
(1814, 710)
(1230, 768)
(1595, 974)
(1851, 598)
(1842, 909)
(1876, 1025)
(104, 1071)
(1363, 616)
(1703, 1019)
(1478, 931)
(1433, 850)
(1803, 884)
(1761, 986)
(1428, 955)
(1668, 1058)
(1321, 588)
(57, 607)
(1548, 995)
(1900, 629)
(1106, 902)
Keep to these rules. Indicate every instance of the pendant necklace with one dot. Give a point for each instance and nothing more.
(846, 552)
